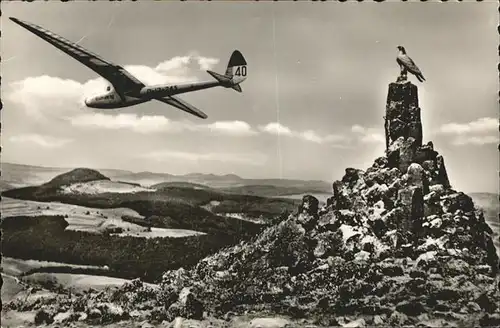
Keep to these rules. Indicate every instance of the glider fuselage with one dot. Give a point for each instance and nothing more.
(113, 99)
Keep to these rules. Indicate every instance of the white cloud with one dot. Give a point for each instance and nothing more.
(477, 132)
(152, 76)
(358, 129)
(235, 128)
(168, 155)
(178, 68)
(207, 63)
(177, 62)
(46, 96)
(373, 138)
(336, 138)
(141, 124)
(368, 135)
(484, 124)
(475, 140)
(276, 128)
(39, 140)
(49, 87)
(159, 124)
(311, 136)
(308, 135)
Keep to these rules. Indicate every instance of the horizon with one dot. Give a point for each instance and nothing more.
(157, 172)
(192, 173)
(310, 108)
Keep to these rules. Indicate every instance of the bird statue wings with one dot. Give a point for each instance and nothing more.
(407, 65)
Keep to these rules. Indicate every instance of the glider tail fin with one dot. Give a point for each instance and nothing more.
(237, 67)
(236, 72)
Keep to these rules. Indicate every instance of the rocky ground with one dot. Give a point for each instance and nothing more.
(395, 246)
(390, 248)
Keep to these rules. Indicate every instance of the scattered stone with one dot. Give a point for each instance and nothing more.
(269, 323)
(392, 270)
(64, 317)
(94, 313)
(309, 205)
(416, 175)
(378, 320)
(147, 325)
(43, 317)
(411, 308)
(442, 175)
(398, 319)
(192, 308)
(355, 323)
(486, 302)
(490, 320)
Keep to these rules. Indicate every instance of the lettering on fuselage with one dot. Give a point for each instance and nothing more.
(161, 89)
(107, 97)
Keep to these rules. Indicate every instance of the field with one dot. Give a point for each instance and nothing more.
(17, 273)
(76, 283)
(46, 238)
(16, 267)
(101, 187)
(81, 218)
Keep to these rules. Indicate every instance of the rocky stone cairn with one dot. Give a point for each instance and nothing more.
(395, 246)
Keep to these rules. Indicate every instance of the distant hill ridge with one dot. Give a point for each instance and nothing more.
(213, 176)
(20, 175)
(118, 172)
(78, 175)
(179, 184)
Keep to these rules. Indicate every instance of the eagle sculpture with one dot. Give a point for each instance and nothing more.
(407, 65)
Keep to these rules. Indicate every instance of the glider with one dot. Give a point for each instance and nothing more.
(127, 90)
(407, 65)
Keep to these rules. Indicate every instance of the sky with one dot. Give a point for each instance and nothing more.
(312, 105)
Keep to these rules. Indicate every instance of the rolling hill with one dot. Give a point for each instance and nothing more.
(20, 175)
